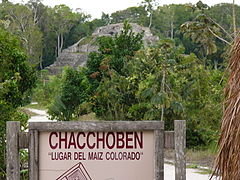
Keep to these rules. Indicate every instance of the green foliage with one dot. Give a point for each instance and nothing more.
(17, 78)
(21, 23)
(156, 81)
(107, 73)
(47, 88)
(113, 98)
(132, 14)
(115, 52)
(23, 164)
(123, 81)
(189, 91)
(205, 111)
(73, 92)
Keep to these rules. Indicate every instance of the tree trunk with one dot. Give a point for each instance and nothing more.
(162, 90)
(61, 43)
(234, 20)
(172, 29)
(58, 45)
(150, 20)
(35, 16)
(172, 25)
(41, 63)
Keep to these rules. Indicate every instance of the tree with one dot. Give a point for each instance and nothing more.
(105, 18)
(149, 6)
(167, 19)
(22, 25)
(154, 69)
(73, 92)
(17, 78)
(132, 14)
(37, 9)
(62, 20)
(112, 96)
(234, 20)
(206, 32)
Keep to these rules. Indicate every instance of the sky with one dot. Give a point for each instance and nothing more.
(96, 7)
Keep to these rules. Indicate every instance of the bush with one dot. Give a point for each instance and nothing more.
(17, 78)
(73, 91)
(47, 88)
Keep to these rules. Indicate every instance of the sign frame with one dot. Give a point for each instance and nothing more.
(104, 126)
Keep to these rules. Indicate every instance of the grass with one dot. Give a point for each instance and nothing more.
(192, 166)
(204, 157)
(201, 159)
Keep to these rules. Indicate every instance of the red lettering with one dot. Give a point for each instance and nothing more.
(78, 140)
(98, 140)
(72, 141)
(129, 140)
(120, 140)
(101, 139)
(108, 140)
(138, 140)
(64, 140)
(50, 140)
(88, 140)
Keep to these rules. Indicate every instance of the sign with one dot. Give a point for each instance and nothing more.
(96, 155)
(113, 150)
(122, 147)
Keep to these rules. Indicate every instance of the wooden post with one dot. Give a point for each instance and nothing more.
(180, 146)
(33, 155)
(13, 157)
(169, 142)
(159, 154)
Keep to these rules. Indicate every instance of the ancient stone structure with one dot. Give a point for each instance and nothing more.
(77, 54)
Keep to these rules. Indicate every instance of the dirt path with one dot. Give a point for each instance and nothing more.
(40, 117)
(192, 174)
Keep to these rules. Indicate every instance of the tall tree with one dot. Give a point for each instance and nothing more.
(38, 10)
(132, 14)
(206, 32)
(207, 24)
(63, 20)
(149, 6)
(22, 24)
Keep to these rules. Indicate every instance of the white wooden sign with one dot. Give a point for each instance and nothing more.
(127, 155)
(113, 150)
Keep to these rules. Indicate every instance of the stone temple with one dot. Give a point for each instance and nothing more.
(77, 54)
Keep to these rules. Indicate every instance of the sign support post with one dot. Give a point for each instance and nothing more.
(180, 146)
(159, 159)
(13, 158)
